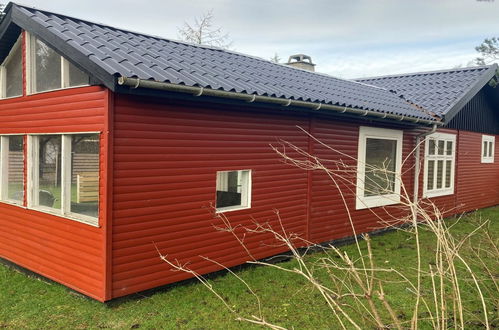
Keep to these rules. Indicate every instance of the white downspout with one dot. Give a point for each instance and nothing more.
(417, 167)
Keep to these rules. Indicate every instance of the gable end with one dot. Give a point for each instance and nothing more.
(9, 33)
(470, 94)
(16, 17)
(480, 114)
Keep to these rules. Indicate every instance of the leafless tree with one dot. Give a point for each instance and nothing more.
(202, 31)
(275, 59)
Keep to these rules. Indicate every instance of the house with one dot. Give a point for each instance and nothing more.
(115, 143)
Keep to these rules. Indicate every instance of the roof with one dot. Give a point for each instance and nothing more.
(107, 53)
(445, 92)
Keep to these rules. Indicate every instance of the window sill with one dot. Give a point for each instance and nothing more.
(10, 97)
(57, 89)
(94, 222)
(13, 202)
(376, 201)
(487, 161)
(232, 208)
(438, 193)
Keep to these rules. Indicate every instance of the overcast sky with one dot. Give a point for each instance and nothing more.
(348, 38)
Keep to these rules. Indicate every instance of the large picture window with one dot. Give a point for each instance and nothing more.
(378, 167)
(11, 73)
(50, 71)
(12, 169)
(439, 164)
(64, 175)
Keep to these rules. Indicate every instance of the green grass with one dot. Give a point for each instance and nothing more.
(288, 300)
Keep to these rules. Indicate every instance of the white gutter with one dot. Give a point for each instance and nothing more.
(198, 91)
(417, 168)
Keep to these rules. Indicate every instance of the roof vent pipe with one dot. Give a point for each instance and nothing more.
(301, 61)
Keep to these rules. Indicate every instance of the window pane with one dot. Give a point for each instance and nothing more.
(85, 174)
(1, 181)
(440, 170)
(16, 169)
(47, 67)
(449, 148)
(431, 174)
(448, 171)
(76, 76)
(485, 145)
(228, 189)
(431, 148)
(491, 149)
(49, 171)
(441, 145)
(14, 74)
(380, 168)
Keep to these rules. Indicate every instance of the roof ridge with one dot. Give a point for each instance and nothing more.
(234, 71)
(191, 44)
(468, 68)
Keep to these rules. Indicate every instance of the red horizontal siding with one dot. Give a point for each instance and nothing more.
(165, 163)
(329, 218)
(477, 182)
(66, 251)
(165, 160)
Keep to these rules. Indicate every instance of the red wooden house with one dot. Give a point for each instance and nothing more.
(114, 142)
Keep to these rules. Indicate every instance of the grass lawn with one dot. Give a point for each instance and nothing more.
(288, 300)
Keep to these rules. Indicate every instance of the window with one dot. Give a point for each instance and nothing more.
(50, 71)
(64, 175)
(12, 169)
(378, 167)
(11, 73)
(233, 190)
(439, 164)
(488, 148)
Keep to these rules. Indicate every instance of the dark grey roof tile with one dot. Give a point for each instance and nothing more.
(130, 54)
(437, 91)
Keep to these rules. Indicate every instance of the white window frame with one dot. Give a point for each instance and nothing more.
(32, 169)
(489, 149)
(3, 73)
(4, 170)
(365, 132)
(246, 187)
(427, 193)
(31, 70)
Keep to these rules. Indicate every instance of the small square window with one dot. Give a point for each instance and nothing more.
(488, 148)
(233, 190)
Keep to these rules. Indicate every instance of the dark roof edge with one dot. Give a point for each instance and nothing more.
(124, 30)
(7, 30)
(468, 95)
(6, 20)
(147, 35)
(63, 48)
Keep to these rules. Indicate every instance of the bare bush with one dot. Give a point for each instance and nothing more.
(356, 287)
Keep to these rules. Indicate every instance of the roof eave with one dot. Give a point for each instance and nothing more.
(134, 84)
